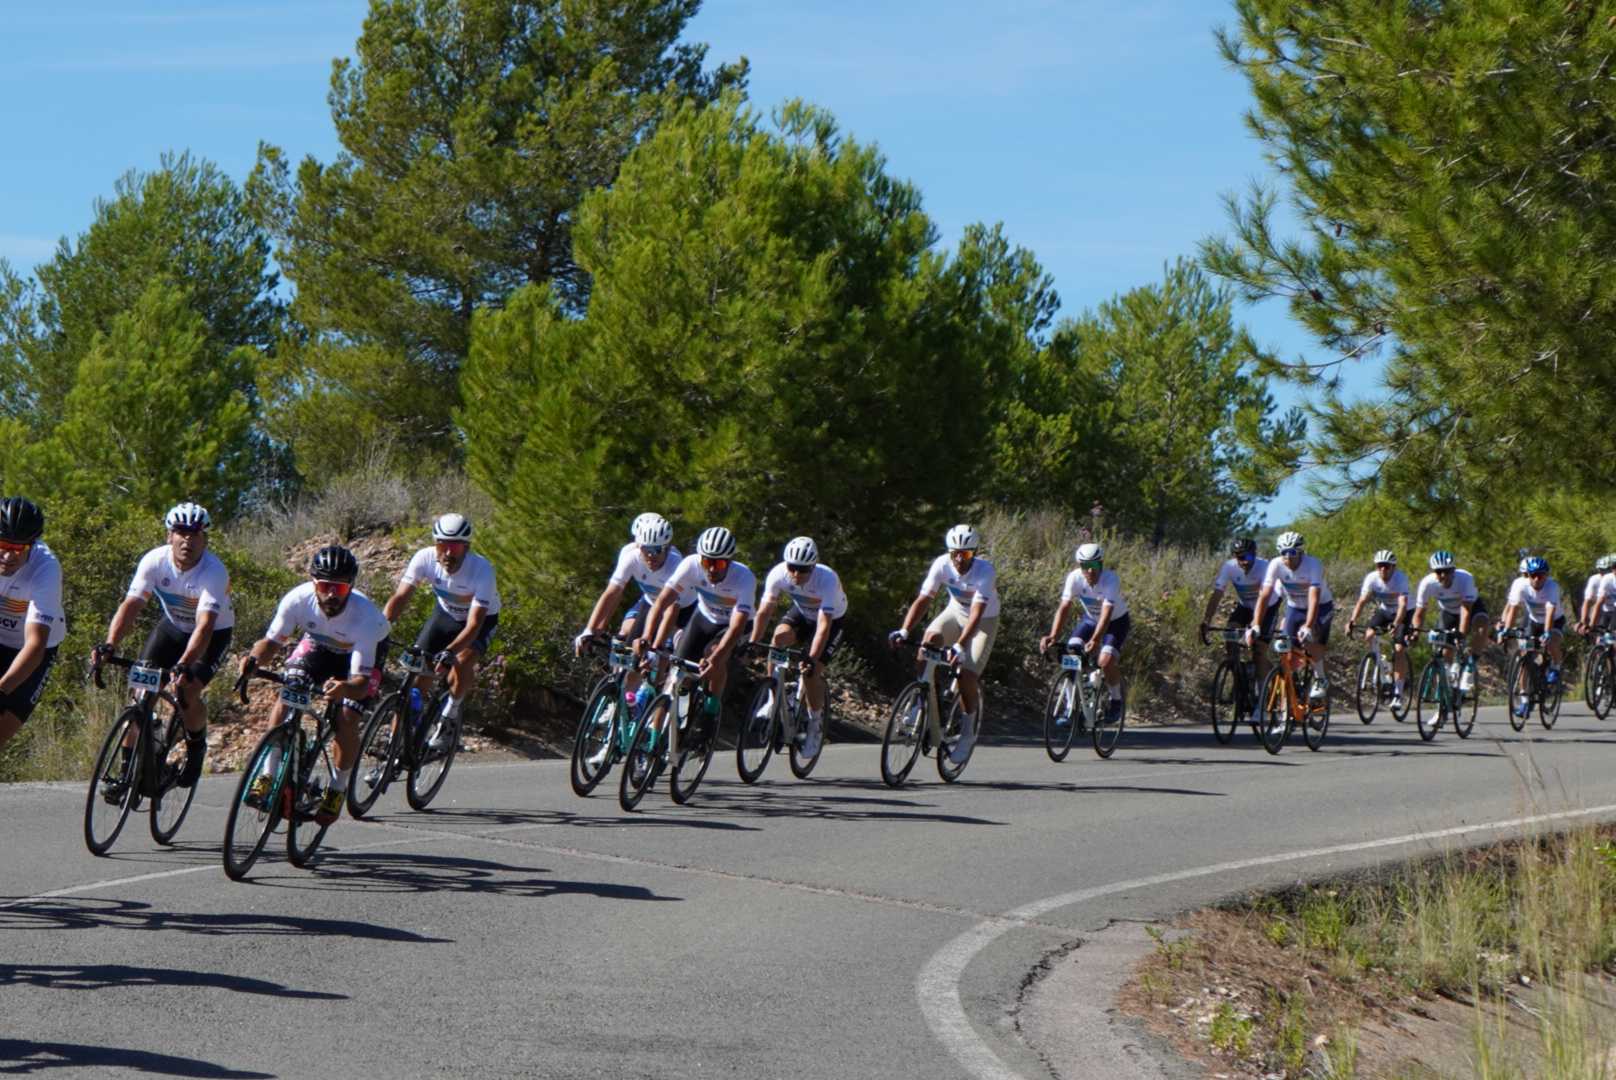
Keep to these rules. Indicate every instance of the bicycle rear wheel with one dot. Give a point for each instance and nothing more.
(1602, 677)
(1225, 702)
(317, 771)
(1274, 709)
(257, 806)
(113, 783)
(1518, 688)
(170, 802)
(1367, 696)
(754, 741)
(689, 765)
(640, 766)
(900, 743)
(1548, 702)
(1060, 715)
(597, 732)
(1430, 701)
(381, 748)
(801, 764)
(434, 753)
(1106, 733)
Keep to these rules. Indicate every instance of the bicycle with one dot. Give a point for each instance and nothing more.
(286, 776)
(1234, 684)
(784, 723)
(1286, 702)
(1599, 684)
(1442, 685)
(610, 722)
(925, 720)
(1525, 677)
(1376, 685)
(382, 743)
(141, 758)
(1078, 699)
(667, 739)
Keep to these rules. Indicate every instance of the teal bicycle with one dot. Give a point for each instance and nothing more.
(610, 721)
(1443, 695)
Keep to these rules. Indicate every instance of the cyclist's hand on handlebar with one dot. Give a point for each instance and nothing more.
(1251, 635)
(898, 638)
(101, 652)
(952, 653)
(1203, 630)
(1044, 643)
(1090, 645)
(808, 665)
(249, 664)
(580, 642)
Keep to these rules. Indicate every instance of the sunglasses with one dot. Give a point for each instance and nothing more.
(798, 568)
(1384, 565)
(15, 549)
(332, 588)
(653, 551)
(187, 530)
(1288, 552)
(714, 564)
(455, 546)
(1095, 565)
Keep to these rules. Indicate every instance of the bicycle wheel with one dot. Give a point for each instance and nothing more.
(1060, 714)
(947, 768)
(381, 750)
(754, 741)
(1400, 714)
(1273, 703)
(1548, 701)
(801, 764)
(1463, 711)
(1518, 688)
(1430, 701)
(1602, 675)
(1225, 702)
(1368, 689)
(113, 783)
(1315, 714)
(597, 732)
(689, 765)
(1106, 733)
(257, 806)
(640, 766)
(900, 743)
(170, 802)
(317, 771)
(434, 753)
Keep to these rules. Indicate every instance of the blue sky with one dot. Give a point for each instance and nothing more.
(1103, 135)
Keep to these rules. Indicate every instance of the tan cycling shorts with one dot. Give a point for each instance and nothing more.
(951, 624)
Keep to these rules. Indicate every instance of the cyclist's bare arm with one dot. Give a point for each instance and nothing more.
(476, 615)
(1214, 598)
(604, 606)
(197, 646)
(771, 601)
(916, 609)
(1356, 610)
(656, 628)
(124, 618)
(821, 635)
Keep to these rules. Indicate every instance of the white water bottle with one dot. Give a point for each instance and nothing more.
(1467, 679)
(1454, 673)
(1096, 677)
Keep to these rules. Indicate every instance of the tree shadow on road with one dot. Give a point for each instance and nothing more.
(818, 802)
(104, 976)
(20, 1056)
(86, 913)
(417, 872)
(489, 816)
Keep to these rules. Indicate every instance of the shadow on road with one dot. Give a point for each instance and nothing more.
(611, 818)
(20, 1056)
(815, 801)
(398, 872)
(85, 913)
(103, 976)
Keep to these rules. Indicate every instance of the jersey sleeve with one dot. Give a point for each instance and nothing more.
(145, 579)
(773, 586)
(1517, 591)
(1368, 588)
(286, 622)
(1223, 579)
(367, 645)
(934, 576)
(746, 595)
(1113, 592)
(486, 594)
(215, 590)
(419, 568)
(835, 597)
(1069, 587)
(1422, 596)
(987, 590)
(45, 605)
(624, 570)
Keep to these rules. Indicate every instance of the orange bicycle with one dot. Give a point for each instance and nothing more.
(1285, 702)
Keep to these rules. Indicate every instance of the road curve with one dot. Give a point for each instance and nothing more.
(829, 928)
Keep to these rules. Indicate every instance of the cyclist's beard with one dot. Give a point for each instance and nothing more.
(451, 565)
(332, 606)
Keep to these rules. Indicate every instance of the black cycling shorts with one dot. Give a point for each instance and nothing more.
(21, 701)
(805, 628)
(166, 644)
(443, 628)
(1241, 616)
(1478, 617)
(702, 633)
(1382, 619)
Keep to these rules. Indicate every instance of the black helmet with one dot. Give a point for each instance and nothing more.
(334, 563)
(1242, 547)
(21, 521)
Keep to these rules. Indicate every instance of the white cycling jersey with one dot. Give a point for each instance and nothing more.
(1607, 592)
(470, 586)
(1308, 573)
(1451, 598)
(978, 585)
(1536, 600)
(822, 592)
(1590, 590)
(185, 594)
(33, 595)
(358, 629)
(631, 567)
(1384, 593)
(715, 600)
(1246, 583)
(1094, 597)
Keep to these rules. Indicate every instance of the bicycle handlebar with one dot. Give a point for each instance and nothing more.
(120, 662)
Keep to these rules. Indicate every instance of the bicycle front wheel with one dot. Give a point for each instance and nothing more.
(640, 766)
(1059, 715)
(1225, 702)
(1429, 700)
(754, 742)
(801, 764)
(1274, 710)
(695, 754)
(1548, 701)
(170, 802)
(1105, 732)
(257, 806)
(1602, 677)
(1367, 691)
(113, 783)
(597, 732)
(317, 771)
(434, 754)
(381, 748)
(900, 743)
(1315, 712)
(1464, 711)
(947, 768)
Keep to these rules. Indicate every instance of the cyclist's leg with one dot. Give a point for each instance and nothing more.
(1116, 632)
(17, 706)
(1554, 643)
(973, 661)
(630, 629)
(815, 685)
(942, 633)
(1261, 658)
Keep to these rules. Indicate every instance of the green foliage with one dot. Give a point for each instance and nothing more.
(470, 131)
(1230, 1031)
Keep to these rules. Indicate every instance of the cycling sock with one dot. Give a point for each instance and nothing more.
(1318, 668)
(815, 714)
(451, 708)
(1116, 692)
(339, 782)
(1397, 685)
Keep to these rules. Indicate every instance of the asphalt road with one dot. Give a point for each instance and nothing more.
(829, 928)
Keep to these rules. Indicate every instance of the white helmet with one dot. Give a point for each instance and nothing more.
(1602, 563)
(801, 552)
(1088, 553)
(1288, 540)
(451, 527)
(187, 515)
(1385, 555)
(1442, 560)
(1520, 567)
(652, 530)
(716, 543)
(962, 538)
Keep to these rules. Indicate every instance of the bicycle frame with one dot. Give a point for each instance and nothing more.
(785, 663)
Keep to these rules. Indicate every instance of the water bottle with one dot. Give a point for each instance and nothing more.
(1453, 672)
(641, 696)
(1096, 678)
(1467, 680)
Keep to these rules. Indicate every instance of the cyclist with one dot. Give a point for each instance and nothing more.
(340, 652)
(1606, 617)
(648, 560)
(1590, 618)
(1388, 587)
(1463, 609)
(818, 606)
(1539, 595)
(725, 596)
(1245, 572)
(465, 617)
(1309, 603)
(193, 632)
(966, 627)
(32, 622)
(1105, 621)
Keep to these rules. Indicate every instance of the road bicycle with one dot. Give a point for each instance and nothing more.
(284, 779)
(925, 719)
(1376, 684)
(402, 737)
(1078, 701)
(1443, 695)
(678, 732)
(1526, 676)
(610, 720)
(777, 719)
(141, 759)
(1285, 700)
(1234, 684)
(1599, 684)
